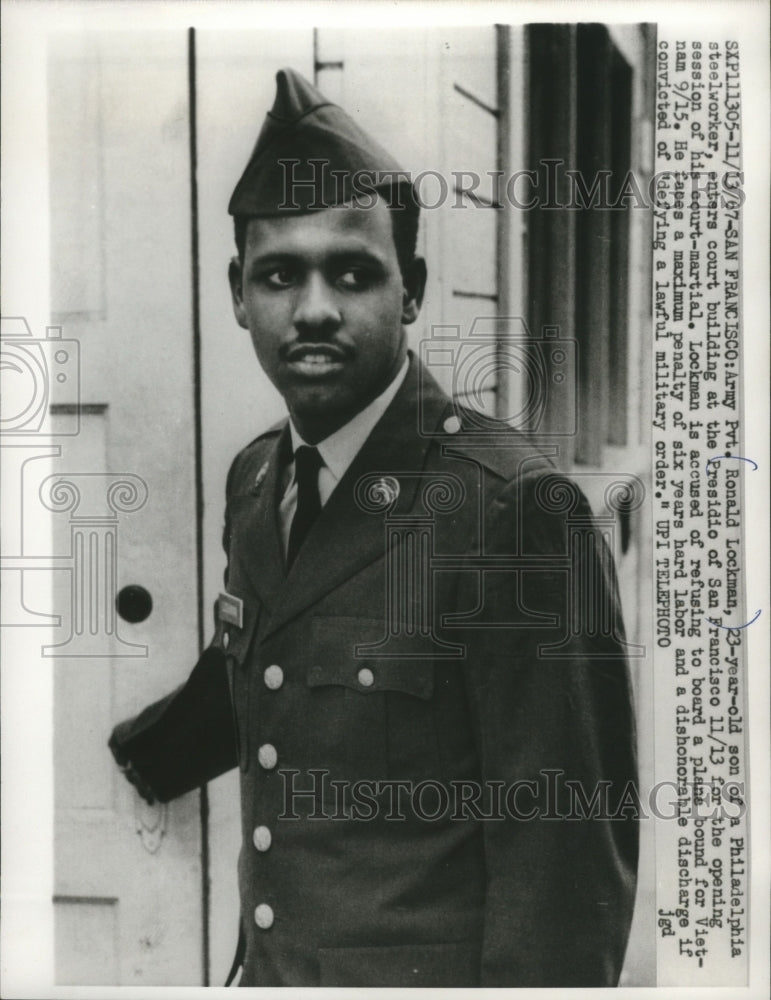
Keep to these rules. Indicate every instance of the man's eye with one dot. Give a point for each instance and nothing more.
(281, 277)
(355, 278)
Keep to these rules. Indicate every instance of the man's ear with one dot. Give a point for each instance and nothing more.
(414, 281)
(235, 273)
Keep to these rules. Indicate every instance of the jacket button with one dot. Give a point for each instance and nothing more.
(273, 677)
(225, 640)
(267, 756)
(263, 916)
(365, 677)
(262, 838)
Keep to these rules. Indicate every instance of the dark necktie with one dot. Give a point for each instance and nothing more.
(307, 462)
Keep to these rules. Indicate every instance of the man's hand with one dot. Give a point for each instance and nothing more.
(141, 786)
(131, 774)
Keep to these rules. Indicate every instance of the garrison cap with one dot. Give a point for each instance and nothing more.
(326, 157)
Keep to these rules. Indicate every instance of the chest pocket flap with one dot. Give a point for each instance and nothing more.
(336, 661)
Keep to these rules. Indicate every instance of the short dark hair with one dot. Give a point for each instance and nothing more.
(405, 218)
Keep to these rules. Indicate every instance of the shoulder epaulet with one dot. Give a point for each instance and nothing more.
(497, 446)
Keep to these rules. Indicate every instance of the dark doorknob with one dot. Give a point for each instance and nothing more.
(134, 603)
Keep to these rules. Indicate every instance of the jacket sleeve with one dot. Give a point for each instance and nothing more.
(552, 711)
(183, 740)
(187, 738)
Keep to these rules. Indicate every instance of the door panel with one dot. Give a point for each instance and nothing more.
(127, 877)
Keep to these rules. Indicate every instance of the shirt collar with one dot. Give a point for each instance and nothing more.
(339, 449)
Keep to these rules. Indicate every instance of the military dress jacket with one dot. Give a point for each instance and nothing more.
(416, 708)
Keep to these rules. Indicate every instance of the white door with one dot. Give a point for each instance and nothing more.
(128, 885)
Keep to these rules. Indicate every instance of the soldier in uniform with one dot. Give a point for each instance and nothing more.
(421, 698)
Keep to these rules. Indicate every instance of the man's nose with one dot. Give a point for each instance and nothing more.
(316, 311)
